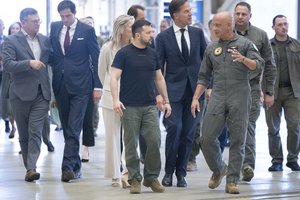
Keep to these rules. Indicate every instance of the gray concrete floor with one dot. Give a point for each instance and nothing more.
(93, 185)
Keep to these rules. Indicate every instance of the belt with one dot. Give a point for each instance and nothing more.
(285, 84)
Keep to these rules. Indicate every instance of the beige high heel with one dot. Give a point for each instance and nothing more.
(115, 182)
(124, 181)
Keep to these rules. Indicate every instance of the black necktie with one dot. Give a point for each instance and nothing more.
(184, 47)
(67, 40)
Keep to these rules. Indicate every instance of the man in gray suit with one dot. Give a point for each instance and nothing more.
(25, 56)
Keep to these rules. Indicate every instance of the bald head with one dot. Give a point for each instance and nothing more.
(223, 25)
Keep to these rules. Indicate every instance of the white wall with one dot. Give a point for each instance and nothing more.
(10, 12)
(264, 11)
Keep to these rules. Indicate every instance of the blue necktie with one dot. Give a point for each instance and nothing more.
(184, 47)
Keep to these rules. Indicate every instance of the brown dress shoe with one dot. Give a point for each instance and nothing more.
(32, 175)
(232, 188)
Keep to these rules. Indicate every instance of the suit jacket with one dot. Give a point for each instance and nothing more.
(178, 72)
(25, 80)
(79, 66)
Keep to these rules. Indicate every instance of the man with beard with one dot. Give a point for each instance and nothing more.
(138, 68)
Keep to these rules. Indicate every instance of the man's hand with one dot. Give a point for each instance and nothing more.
(268, 101)
(118, 108)
(208, 94)
(159, 103)
(36, 64)
(97, 95)
(195, 107)
(167, 110)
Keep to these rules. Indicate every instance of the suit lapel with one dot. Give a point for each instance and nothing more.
(43, 47)
(192, 43)
(75, 36)
(57, 36)
(23, 42)
(173, 40)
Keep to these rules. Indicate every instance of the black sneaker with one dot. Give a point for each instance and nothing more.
(293, 165)
(276, 167)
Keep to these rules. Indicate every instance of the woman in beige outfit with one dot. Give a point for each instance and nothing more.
(121, 36)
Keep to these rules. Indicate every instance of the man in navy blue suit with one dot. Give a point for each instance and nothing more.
(181, 48)
(75, 52)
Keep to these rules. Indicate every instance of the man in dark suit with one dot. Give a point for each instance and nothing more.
(181, 48)
(75, 78)
(26, 56)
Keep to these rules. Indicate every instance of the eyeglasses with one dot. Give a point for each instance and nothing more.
(36, 22)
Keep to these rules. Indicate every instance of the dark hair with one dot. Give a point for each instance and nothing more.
(27, 11)
(133, 10)
(243, 4)
(65, 4)
(137, 27)
(277, 16)
(175, 6)
(9, 29)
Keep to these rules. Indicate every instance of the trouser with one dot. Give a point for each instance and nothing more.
(142, 120)
(250, 146)
(46, 131)
(88, 138)
(30, 117)
(291, 106)
(196, 142)
(236, 117)
(112, 125)
(71, 111)
(96, 116)
(180, 126)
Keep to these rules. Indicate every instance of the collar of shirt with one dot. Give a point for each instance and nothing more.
(246, 31)
(71, 34)
(177, 29)
(72, 27)
(27, 35)
(178, 36)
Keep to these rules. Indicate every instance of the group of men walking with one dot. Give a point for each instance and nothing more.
(240, 67)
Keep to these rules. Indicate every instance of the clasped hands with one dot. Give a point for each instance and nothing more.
(36, 64)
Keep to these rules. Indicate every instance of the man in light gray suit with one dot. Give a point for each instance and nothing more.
(25, 56)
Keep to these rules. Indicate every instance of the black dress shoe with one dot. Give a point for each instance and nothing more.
(50, 147)
(276, 167)
(167, 180)
(181, 182)
(293, 165)
(67, 176)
